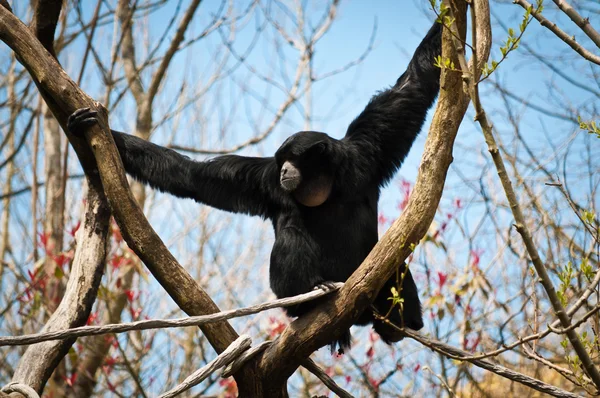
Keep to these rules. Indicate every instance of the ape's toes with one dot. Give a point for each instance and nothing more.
(326, 286)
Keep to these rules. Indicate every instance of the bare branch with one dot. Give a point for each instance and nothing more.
(460, 355)
(583, 23)
(559, 32)
(313, 368)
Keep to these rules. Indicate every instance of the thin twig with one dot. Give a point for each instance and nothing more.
(583, 23)
(559, 32)
(312, 367)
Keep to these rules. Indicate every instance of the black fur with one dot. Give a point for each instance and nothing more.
(313, 245)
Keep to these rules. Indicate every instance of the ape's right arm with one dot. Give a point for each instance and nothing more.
(233, 183)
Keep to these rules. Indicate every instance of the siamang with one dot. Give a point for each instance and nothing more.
(320, 193)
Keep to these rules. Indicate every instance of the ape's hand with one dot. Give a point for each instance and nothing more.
(81, 119)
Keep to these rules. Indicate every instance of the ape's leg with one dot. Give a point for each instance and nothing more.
(411, 316)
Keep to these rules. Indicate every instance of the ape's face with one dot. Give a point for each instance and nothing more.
(306, 167)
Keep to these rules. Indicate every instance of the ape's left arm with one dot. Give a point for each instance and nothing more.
(379, 139)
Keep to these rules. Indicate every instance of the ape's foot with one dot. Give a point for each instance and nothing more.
(326, 286)
(81, 119)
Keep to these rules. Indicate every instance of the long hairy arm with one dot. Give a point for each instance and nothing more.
(232, 183)
(379, 139)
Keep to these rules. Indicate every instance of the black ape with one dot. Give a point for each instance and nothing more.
(320, 193)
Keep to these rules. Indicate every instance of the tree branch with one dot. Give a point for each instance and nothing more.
(461, 355)
(39, 361)
(583, 23)
(559, 32)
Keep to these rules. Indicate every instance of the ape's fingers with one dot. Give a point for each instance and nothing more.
(77, 123)
(79, 112)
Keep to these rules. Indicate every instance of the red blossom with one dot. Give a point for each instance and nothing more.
(276, 326)
(370, 352)
(131, 295)
(70, 380)
(75, 228)
(442, 277)
(471, 344)
(92, 318)
(109, 364)
(476, 257)
(109, 339)
(382, 220)
(118, 261)
(116, 234)
(374, 383)
(62, 259)
(135, 313)
(44, 240)
(230, 387)
(37, 284)
(405, 190)
(417, 367)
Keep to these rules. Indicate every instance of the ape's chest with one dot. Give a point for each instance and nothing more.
(333, 239)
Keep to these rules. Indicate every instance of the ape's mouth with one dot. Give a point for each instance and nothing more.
(289, 183)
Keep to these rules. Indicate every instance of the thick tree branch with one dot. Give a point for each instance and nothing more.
(39, 361)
